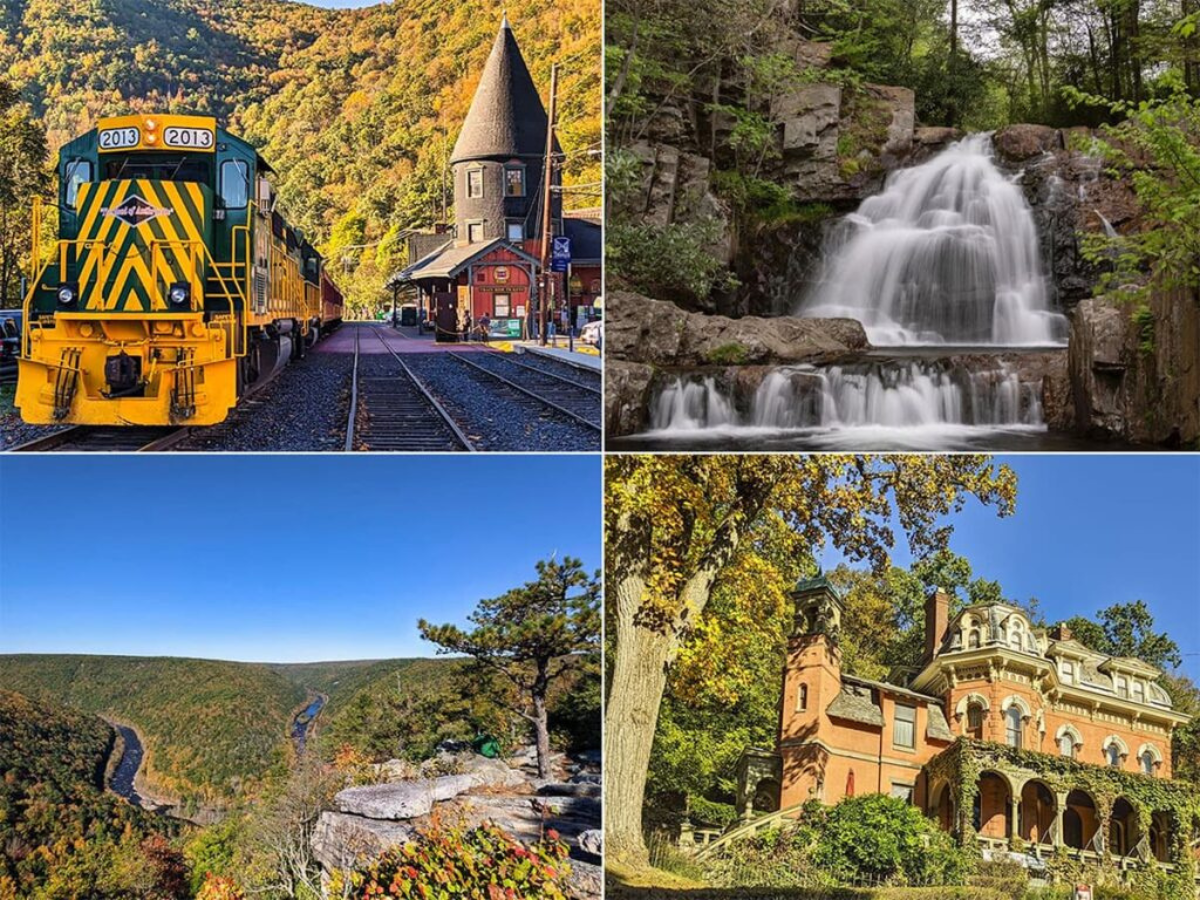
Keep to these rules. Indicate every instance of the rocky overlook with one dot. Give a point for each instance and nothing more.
(461, 786)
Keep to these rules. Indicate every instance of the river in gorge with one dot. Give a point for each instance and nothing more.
(943, 269)
(303, 722)
(122, 781)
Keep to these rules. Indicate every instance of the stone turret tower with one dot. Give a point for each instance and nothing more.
(498, 158)
(812, 678)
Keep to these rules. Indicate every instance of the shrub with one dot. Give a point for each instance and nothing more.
(709, 812)
(878, 837)
(218, 887)
(668, 262)
(481, 863)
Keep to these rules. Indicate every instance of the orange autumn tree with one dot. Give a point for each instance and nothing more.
(679, 527)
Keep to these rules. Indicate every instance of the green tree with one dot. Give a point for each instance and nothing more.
(23, 176)
(1127, 629)
(676, 526)
(529, 635)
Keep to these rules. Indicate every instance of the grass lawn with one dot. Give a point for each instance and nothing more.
(8, 393)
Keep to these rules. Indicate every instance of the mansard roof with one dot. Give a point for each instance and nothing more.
(506, 118)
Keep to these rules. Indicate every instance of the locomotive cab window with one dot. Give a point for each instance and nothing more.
(78, 171)
(158, 167)
(235, 183)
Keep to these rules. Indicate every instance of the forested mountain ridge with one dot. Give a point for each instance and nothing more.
(212, 729)
(357, 110)
(58, 828)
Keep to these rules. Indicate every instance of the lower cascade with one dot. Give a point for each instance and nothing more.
(892, 395)
(947, 253)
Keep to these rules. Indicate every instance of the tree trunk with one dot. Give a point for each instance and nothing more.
(638, 681)
(643, 657)
(543, 736)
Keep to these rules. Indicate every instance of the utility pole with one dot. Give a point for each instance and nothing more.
(547, 206)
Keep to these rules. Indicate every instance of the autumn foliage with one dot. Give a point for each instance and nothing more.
(480, 863)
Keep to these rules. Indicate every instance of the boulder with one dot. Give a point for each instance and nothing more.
(569, 789)
(930, 140)
(810, 117)
(586, 881)
(491, 772)
(405, 800)
(585, 778)
(626, 396)
(900, 105)
(659, 333)
(1017, 143)
(592, 841)
(340, 840)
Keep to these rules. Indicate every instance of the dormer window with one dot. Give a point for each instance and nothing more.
(1122, 686)
(973, 640)
(1139, 692)
(1016, 640)
(1068, 672)
(514, 181)
(474, 183)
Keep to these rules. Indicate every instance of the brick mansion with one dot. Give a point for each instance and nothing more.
(1022, 737)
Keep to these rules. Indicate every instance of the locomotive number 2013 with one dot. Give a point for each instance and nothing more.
(117, 138)
(200, 138)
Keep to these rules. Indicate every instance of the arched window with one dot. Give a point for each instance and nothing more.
(1012, 723)
(1066, 745)
(1148, 763)
(802, 699)
(1015, 639)
(973, 639)
(1114, 755)
(975, 721)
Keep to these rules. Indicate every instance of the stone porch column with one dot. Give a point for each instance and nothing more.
(1060, 807)
(1014, 819)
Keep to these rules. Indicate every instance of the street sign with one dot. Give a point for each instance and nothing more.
(560, 254)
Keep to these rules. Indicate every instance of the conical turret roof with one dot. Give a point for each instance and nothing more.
(506, 118)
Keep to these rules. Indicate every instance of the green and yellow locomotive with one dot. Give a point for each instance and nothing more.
(174, 285)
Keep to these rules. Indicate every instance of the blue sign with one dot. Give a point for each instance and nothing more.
(560, 254)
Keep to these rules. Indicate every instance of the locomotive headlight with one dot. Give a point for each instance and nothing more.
(68, 294)
(179, 294)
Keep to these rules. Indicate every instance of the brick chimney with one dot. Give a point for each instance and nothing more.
(937, 619)
(1060, 632)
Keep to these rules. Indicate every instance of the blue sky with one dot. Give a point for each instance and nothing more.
(158, 556)
(1090, 531)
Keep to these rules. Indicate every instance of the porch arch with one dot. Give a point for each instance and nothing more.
(994, 805)
(1038, 811)
(1080, 819)
(1123, 834)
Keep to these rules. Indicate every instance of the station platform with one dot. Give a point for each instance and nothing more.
(588, 360)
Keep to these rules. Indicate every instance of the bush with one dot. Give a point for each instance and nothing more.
(709, 812)
(672, 262)
(869, 839)
(482, 863)
(879, 837)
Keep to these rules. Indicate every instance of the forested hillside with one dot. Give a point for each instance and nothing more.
(212, 729)
(357, 109)
(52, 763)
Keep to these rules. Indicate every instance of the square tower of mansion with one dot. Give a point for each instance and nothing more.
(992, 686)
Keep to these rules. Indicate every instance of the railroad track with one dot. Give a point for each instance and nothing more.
(576, 401)
(401, 413)
(105, 439)
(575, 374)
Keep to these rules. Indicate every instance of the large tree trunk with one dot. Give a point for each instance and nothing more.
(643, 656)
(638, 680)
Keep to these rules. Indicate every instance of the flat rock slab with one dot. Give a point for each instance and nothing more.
(405, 800)
(569, 789)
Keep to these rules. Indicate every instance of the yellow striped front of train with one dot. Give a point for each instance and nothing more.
(145, 327)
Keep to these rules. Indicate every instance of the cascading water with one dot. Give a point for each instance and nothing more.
(947, 254)
(915, 403)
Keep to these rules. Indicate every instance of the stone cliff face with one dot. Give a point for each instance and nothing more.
(367, 820)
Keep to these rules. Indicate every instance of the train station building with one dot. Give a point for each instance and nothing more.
(489, 264)
(1015, 736)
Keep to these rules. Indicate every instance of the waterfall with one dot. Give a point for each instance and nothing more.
(906, 397)
(946, 254)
